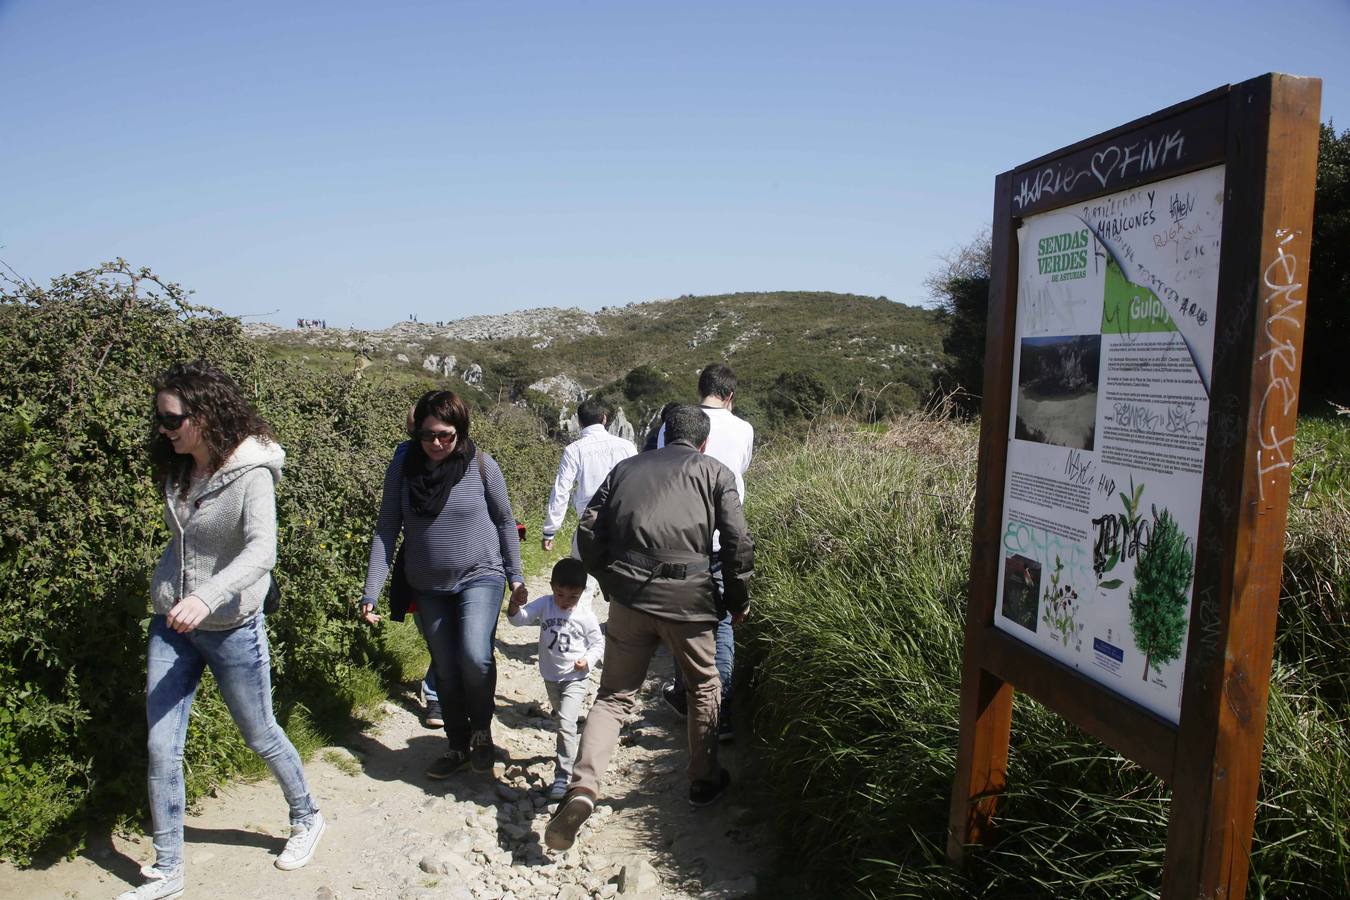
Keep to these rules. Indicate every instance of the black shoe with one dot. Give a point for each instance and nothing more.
(561, 832)
(676, 699)
(482, 755)
(431, 717)
(725, 733)
(448, 764)
(706, 793)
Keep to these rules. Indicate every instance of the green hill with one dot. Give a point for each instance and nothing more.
(790, 350)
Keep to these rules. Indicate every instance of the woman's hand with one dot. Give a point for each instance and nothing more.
(367, 614)
(187, 614)
(519, 594)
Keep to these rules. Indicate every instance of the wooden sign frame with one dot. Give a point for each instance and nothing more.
(1265, 132)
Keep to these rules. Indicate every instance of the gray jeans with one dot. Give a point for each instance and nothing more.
(567, 698)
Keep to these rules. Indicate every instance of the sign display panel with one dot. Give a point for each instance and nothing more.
(1112, 373)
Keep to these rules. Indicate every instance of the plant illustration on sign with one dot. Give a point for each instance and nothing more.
(1125, 544)
(1061, 609)
(1158, 598)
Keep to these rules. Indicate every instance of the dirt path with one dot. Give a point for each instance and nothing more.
(394, 834)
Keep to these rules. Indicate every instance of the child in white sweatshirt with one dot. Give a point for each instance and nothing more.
(570, 645)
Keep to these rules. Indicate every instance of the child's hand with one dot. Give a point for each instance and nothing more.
(581, 664)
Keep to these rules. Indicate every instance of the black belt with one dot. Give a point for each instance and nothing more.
(659, 568)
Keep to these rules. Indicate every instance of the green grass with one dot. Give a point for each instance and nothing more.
(343, 762)
(855, 652)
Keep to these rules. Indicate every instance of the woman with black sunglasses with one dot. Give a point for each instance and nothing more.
(460, 550)
(218, 463)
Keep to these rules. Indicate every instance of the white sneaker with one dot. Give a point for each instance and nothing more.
(158, 886)
(301, 844)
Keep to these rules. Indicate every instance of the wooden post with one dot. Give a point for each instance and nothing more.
(1243, 513)
(986, 700)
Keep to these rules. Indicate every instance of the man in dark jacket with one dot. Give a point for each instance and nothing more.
(647, 537)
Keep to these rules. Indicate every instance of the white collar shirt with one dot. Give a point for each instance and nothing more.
(586, 463)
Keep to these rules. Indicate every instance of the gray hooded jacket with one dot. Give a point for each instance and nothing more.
(224, 538)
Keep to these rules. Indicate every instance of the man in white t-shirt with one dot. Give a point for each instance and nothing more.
(585, 465)
(731, 441)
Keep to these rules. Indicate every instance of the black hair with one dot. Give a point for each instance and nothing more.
(687, 423)
(717, 380)
(592, 412)
(568, 572)
(450, 409)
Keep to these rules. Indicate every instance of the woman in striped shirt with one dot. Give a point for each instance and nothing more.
(460, 550)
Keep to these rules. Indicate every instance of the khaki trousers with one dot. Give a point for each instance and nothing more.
(631, 637)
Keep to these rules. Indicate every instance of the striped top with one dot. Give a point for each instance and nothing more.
(467, 542)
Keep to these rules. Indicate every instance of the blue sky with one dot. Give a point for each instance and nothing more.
(361, 162)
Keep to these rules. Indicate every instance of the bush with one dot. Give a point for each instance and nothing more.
(82, 530)
(855, 657)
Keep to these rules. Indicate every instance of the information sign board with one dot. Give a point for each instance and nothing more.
(1144, 336)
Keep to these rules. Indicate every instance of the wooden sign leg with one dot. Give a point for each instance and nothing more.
(1218, 765)
(981, 759)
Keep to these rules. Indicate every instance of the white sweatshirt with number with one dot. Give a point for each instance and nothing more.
(565, 636)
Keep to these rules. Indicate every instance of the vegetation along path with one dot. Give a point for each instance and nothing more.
(394, 834)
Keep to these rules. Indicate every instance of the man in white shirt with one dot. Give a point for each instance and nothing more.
(585, 465)
(731, 441)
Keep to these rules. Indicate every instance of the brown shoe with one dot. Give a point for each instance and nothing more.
(562, 829)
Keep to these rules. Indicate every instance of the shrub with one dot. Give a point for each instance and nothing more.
(82, 528)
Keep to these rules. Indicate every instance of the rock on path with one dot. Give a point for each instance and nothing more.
(394, 834)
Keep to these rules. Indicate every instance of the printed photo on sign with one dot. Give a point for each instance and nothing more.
(1057, 390)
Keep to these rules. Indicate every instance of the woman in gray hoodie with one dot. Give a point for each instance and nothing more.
(218, 463)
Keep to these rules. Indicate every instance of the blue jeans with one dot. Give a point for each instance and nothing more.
(725, 658)
(428, 680)
(460, 628)
(240, 661)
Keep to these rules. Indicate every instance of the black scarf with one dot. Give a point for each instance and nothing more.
(428, 485)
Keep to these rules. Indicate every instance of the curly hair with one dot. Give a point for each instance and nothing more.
(217, 405)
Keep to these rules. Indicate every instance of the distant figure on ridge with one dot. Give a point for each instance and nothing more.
(647, 535)
(732, 441)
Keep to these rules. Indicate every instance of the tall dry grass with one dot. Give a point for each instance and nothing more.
(855, 654)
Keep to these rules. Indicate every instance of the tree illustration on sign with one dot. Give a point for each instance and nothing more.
(1158, 598)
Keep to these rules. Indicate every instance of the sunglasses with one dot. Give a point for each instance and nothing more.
(428, 436)
(172, 421)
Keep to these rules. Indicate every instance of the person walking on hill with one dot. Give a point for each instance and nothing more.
(218, 463)
(647, 535)
(460, 550)
(585, 464)
(731, 440)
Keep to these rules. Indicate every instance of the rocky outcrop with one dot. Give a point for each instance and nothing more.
(473, 376)
(619, 426)
(441, 365)
(545, 326)
(562, 388)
